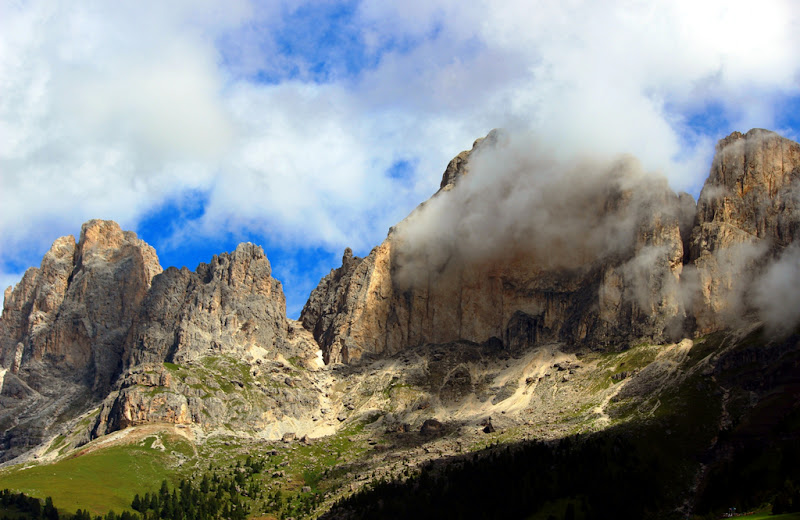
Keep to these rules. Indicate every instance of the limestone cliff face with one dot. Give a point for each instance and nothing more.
(329, 306)
(519, 297)
(602, 258)
(103, 305)
(231, 305)
(98, 318)
(224, 331)
(663, 268)
(753, 187)
(63, 329)
(748, 211)
(69, 318)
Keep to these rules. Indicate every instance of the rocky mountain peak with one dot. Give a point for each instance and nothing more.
(508, 256)
(101, 309)
(600, 255)
(347, 256)
(246, 267)
(459, 165)
(610, 273)
(748, 212)
(104, 241)
(70, 314)
(229, 305)
(64, 325)
(752, 187)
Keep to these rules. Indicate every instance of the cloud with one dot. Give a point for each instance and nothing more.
(775, 293)
(110, 110)
(520, 199)
(105, 112)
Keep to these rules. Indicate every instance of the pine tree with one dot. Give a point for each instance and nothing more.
(82, 515)
(49, 512)
(164, 492)
(34, 507)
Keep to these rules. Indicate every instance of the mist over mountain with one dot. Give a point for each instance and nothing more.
(588, 252)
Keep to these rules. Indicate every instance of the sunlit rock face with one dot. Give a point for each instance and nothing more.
(68, 319)
(231, 305)
(225, 325)
(99, 317)
(63, 330)
(748, 212)
(517, 248)
(607, 273)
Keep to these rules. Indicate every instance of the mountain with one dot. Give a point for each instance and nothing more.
(631, 259)
(529, 300)
(96, 323)
(64, 326)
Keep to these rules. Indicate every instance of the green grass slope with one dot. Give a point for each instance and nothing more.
(102, 478)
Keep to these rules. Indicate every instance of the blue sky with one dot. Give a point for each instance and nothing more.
(308, 127)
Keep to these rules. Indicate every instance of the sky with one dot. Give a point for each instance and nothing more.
(311, 126)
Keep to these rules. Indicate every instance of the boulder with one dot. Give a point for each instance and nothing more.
(431, 427)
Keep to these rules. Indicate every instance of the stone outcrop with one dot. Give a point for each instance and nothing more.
(330, 303)
(223, 332)
(69, 318)
(265, 399)
(753, 187)
(515, 299)
(231, 305)
(99, 318)
(63, 329)
(459, 165)
(673, 268)
(748, 211)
